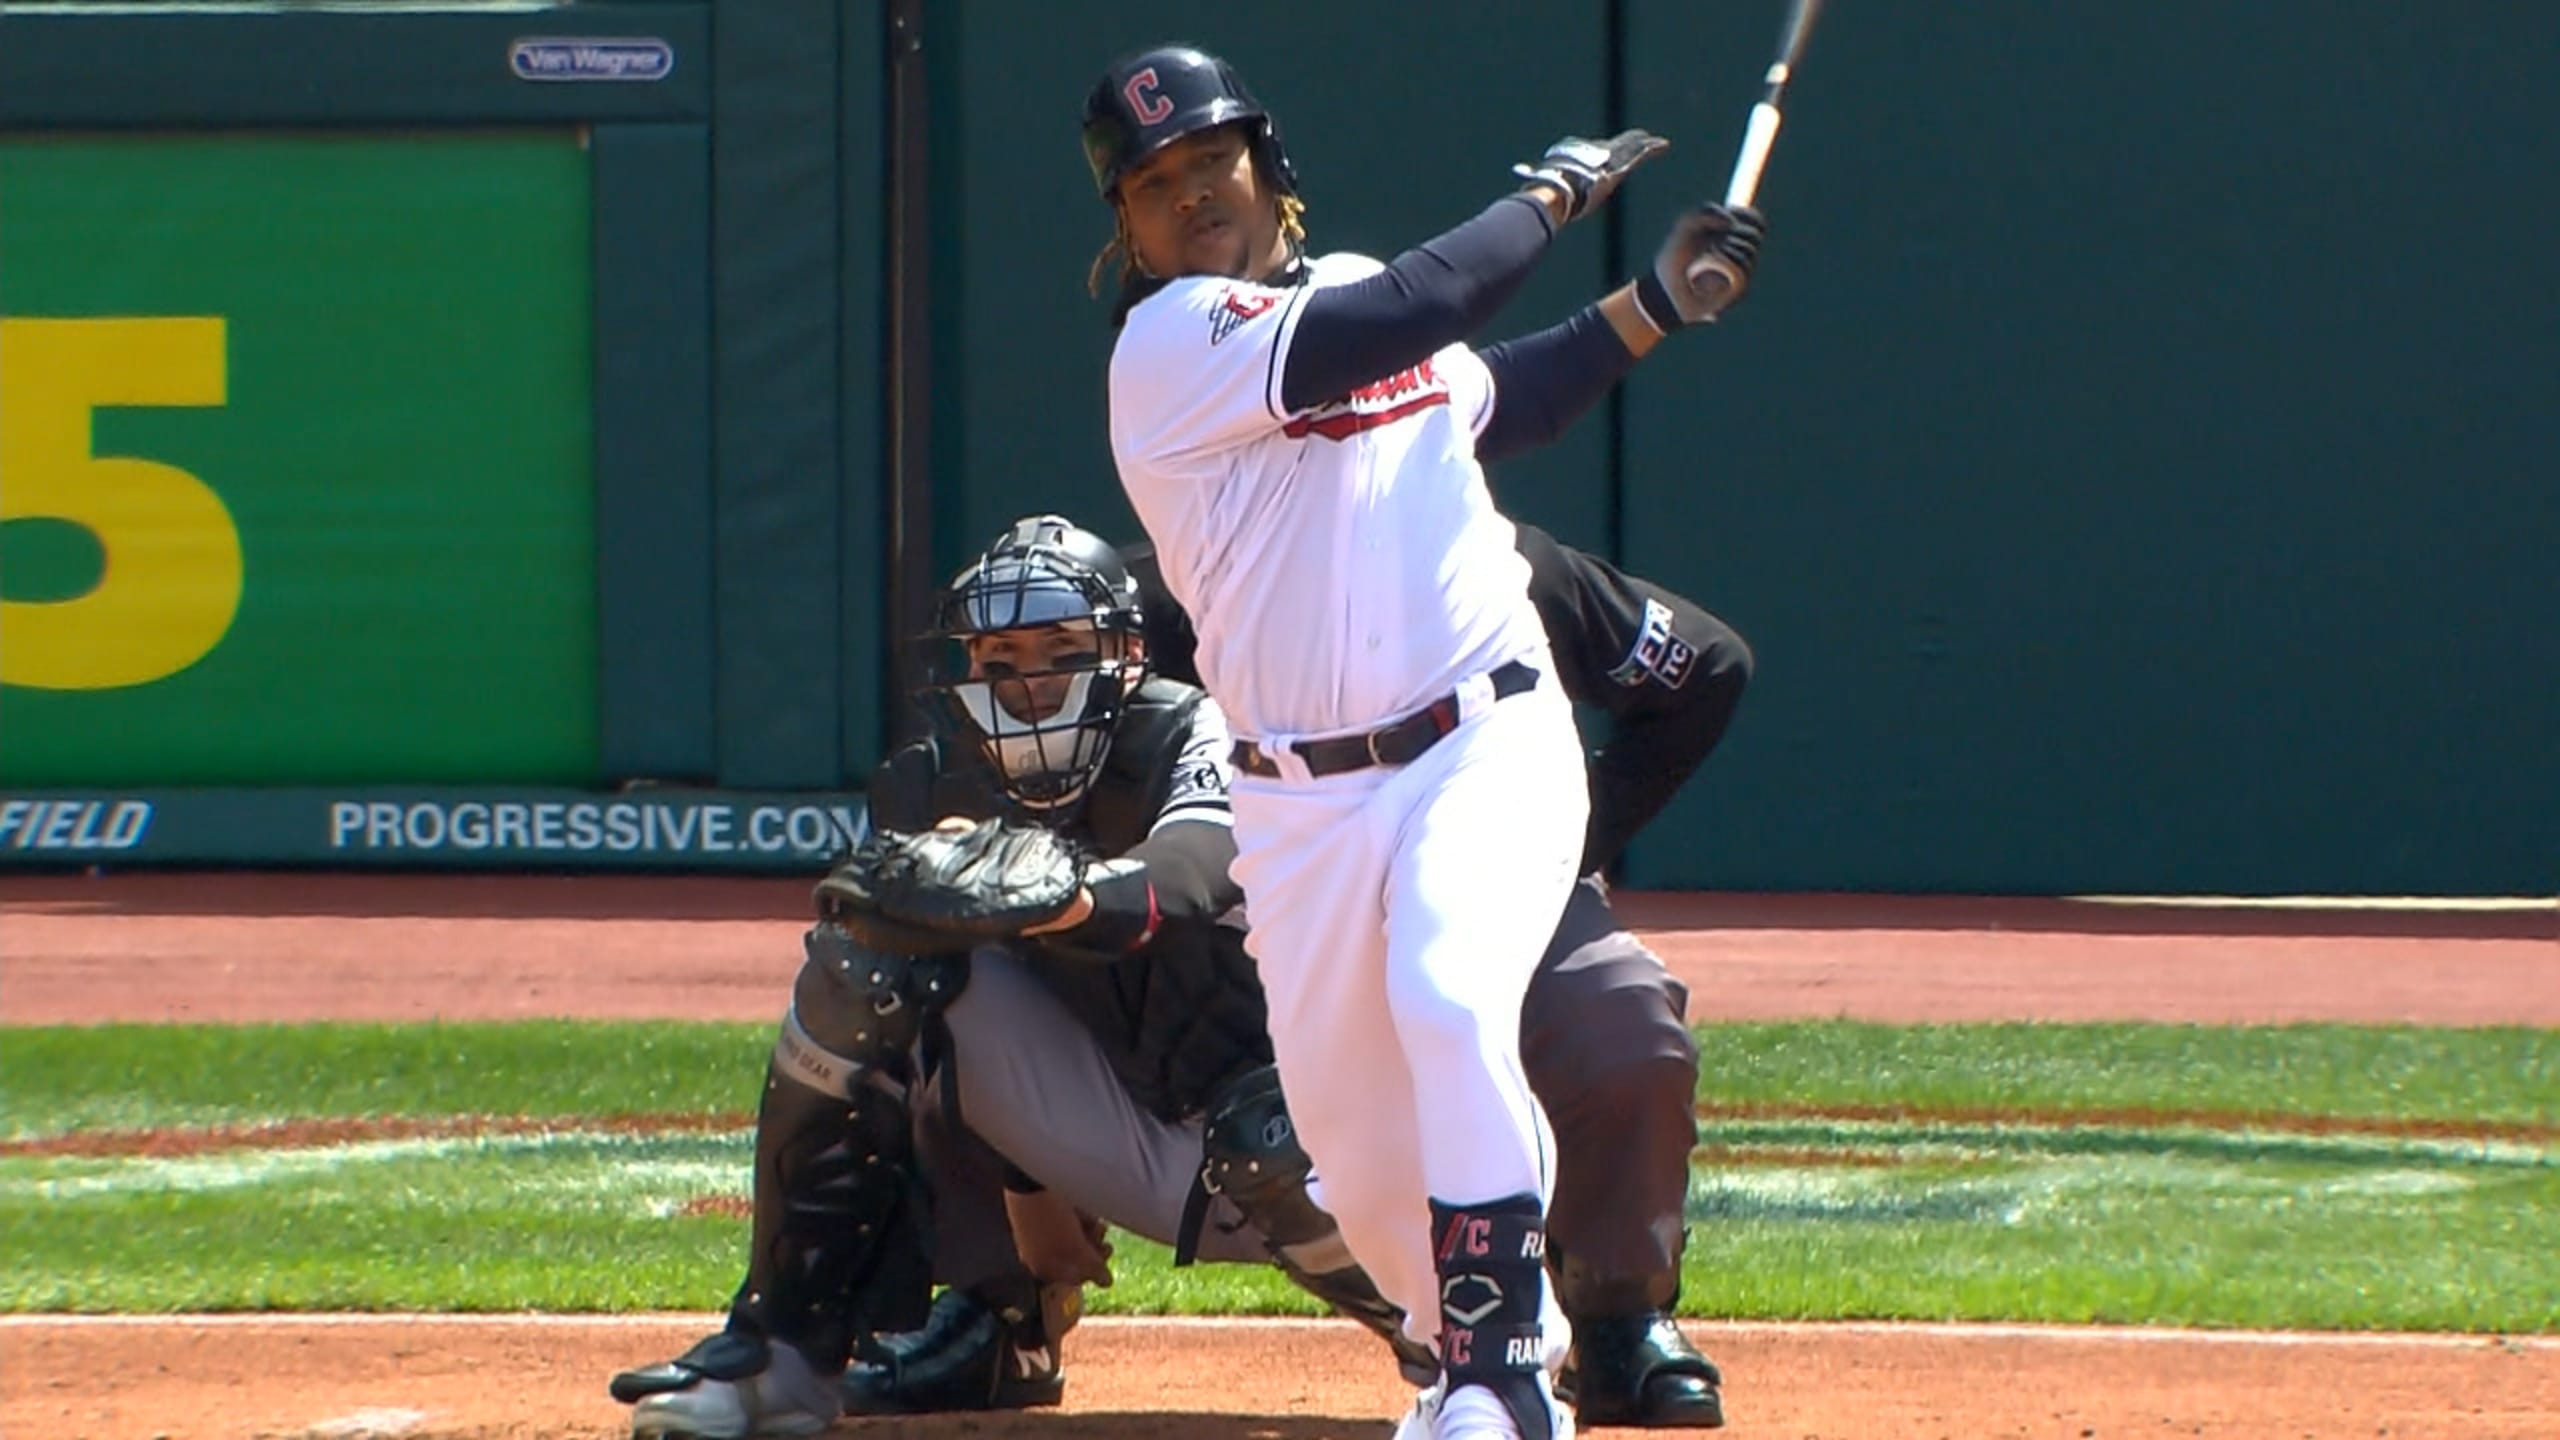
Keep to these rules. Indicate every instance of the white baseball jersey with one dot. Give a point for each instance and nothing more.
(1344, 565)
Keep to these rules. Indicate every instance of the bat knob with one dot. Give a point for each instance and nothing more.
(1713, 284)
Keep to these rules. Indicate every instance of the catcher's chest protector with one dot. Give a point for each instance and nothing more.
(1184, 1014)
(1138, 772)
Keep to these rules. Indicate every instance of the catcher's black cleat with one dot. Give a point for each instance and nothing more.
(1640, 1370)
(965, 1358)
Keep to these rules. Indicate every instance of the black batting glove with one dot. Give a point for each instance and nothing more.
(1665, 295)
(1588, 171)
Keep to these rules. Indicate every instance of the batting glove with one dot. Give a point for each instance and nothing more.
(1587, 171)
(1666, 296)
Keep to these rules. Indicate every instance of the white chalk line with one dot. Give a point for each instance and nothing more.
(369, 1424)
(1931, 1330)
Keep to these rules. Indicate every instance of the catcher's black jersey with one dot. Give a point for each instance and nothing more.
(1666, 673)
(1182, 1012)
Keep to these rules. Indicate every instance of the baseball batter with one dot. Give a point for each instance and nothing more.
(1301, 439)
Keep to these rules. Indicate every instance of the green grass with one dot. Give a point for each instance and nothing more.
(2394, 1072)
(124, 1077)
(2132, 1225)
(1997, 1215)
(130, 1076)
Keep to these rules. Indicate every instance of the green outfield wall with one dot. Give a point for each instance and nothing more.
(2138, 468)
(296, 443)
(2103, 518)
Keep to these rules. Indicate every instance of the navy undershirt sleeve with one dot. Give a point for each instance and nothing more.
(1433, 295)
(1545, 380)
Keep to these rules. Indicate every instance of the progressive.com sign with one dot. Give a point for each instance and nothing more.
(554, 827)
(411, 827)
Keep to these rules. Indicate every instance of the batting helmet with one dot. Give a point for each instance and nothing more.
(1045, 730)
(1147, 101)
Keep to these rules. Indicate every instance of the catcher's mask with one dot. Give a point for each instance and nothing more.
(1034, 647)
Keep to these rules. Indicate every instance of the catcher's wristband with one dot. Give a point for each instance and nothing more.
(1125, 914)
(1653, 302)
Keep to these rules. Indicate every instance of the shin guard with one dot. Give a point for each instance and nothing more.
(1492, 1259)
(840, 1243)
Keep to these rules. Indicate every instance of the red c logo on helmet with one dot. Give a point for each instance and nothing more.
(1144, 102)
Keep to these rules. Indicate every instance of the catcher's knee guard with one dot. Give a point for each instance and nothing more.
(1250, 1154)
(840, 1243)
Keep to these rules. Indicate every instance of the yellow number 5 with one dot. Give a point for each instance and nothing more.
(172, 580)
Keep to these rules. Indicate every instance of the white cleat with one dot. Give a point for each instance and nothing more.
(1475, 1413)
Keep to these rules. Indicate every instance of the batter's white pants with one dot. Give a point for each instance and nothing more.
(1397, 915)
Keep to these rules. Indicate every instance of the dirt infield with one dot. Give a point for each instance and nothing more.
(225, 948)
(238, 948)
(339, 1378)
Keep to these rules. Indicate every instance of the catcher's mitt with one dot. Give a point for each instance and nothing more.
(939, 890)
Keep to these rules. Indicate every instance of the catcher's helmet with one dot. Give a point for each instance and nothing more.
(1046, 728)
(1146, 101)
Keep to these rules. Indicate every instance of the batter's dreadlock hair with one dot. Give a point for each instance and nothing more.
(1118, 259)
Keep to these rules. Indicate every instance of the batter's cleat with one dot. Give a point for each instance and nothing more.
(729, 1387)
(1472, 1412)
(1640, 1370)
(965, 1358)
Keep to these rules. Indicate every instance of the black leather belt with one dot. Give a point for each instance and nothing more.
(1399, 744)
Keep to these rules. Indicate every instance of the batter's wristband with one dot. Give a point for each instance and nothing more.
(1653, 302)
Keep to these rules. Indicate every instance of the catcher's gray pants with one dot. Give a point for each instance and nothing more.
(1603, 1037)
(1035, 1089)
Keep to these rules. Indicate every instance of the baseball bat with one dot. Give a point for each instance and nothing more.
(1710, 278)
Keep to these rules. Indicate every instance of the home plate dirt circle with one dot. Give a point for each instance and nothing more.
(242, 948)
